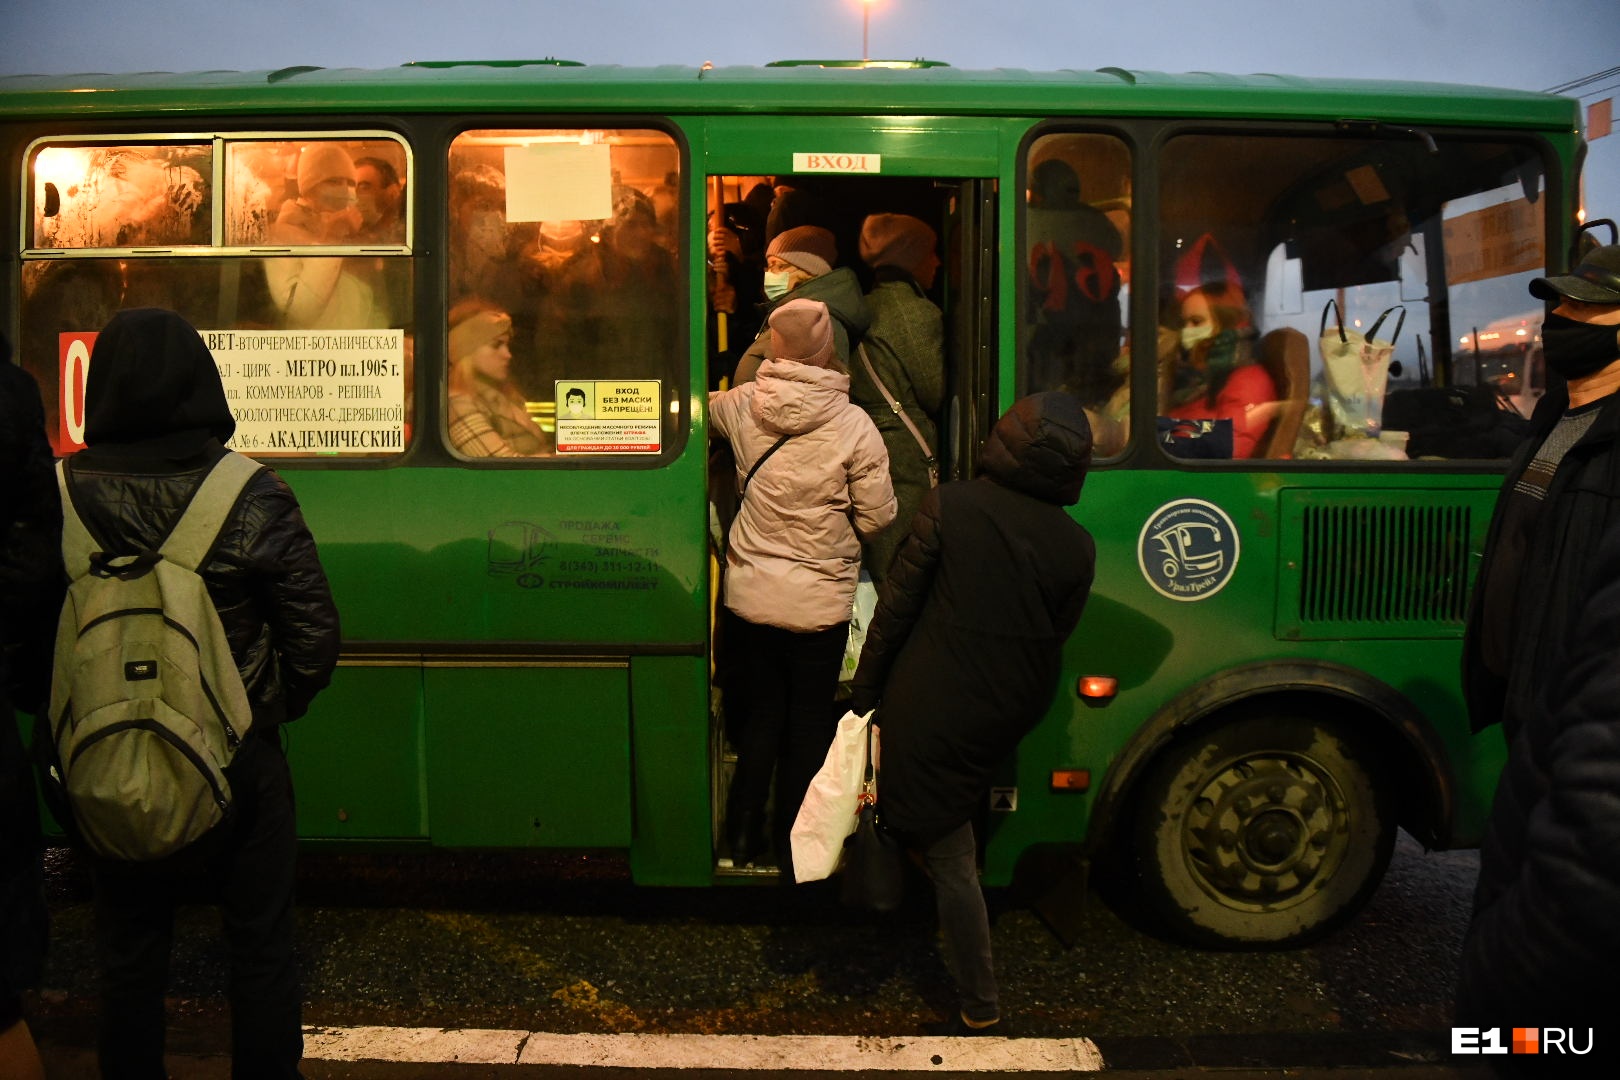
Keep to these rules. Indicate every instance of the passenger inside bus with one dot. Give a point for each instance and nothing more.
(615, 302)
(380, 199)
(315, 292)
(898, 376)
(487, 413)
(1072, 314)
(799, 265)
(496, 263)
(1218, 377)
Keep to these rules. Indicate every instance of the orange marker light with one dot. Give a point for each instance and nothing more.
(1071, 779)
(1097, 686)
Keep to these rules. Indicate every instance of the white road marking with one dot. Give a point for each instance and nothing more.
(778, 1053)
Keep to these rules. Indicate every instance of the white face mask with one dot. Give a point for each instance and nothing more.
(778, 283)
(334, 198)
(1192, 335)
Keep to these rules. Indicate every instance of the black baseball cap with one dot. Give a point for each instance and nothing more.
(1596, 280)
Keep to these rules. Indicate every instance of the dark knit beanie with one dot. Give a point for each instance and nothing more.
(809, 247)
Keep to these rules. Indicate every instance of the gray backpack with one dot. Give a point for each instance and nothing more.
(147, 705)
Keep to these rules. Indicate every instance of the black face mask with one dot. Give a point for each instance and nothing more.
(1575, 349)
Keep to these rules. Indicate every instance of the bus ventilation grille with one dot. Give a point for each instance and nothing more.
(1396, 564)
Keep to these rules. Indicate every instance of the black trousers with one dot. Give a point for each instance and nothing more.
(249, 872)
(786, 681)
(22, 883)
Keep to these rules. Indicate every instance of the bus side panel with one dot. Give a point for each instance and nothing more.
(669, 698)
(528, 757)
(1158, 648)
(357, 757)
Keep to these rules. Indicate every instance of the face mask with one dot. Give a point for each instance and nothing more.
(334, 199)
(1575, 349)
(1192, 335)
(777, 284)
(370, 212)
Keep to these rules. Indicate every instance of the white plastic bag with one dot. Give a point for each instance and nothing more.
(831, 807)
(860, 617)
(1355, 367)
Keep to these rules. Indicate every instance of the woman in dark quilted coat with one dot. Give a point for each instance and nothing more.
(964, 652)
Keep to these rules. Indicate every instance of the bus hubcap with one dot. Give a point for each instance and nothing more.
(1265, 831)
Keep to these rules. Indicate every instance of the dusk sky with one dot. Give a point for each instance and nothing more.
(1525, 44)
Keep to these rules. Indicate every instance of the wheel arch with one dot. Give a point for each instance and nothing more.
(1423, 784)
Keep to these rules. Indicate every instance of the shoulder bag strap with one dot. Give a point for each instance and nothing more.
(899, 410)
(194, 535)
(775, 446)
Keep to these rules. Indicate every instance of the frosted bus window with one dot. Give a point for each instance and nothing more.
(146, 196)
(315, 192)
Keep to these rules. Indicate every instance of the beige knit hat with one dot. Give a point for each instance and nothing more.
(801, 330)
(322, 161)
(809, 247)
(473, 324)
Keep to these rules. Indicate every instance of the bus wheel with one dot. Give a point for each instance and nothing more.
(1264, 832)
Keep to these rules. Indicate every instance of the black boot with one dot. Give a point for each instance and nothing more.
(745, 836)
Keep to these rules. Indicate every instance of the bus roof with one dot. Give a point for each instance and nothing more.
(807, 87)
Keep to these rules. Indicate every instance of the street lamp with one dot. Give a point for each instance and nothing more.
(866, 26)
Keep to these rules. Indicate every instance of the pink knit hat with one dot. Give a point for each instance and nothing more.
(896, 240)
(801, 330)
(809, 247)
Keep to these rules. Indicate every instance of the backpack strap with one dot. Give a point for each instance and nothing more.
(194, 535)
(77, 543)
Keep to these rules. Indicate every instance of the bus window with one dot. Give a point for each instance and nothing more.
(308, 192)
(314, 351)
(122, 196)
(1076, 270)
(558, 260)
(1348, 299)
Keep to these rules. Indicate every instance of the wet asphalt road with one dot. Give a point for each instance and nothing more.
(562, 943)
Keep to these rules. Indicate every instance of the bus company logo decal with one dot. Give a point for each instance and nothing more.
(1473, 1040)
(1188, 549)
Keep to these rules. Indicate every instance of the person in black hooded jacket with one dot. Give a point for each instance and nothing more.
(30, 594)
(964, 651)
(156, 421)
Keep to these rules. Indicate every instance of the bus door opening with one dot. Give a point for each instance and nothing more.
(927, 329)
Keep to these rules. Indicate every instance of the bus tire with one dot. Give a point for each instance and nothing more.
(1263, 832)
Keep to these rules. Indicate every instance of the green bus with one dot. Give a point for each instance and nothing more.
(1263, 687)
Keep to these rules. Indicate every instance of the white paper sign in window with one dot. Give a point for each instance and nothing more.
(558, 182)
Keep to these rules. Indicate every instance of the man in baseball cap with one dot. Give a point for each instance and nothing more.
(1539, 658)
(1595, 281)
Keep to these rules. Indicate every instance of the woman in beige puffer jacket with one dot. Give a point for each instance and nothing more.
(792, 561)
